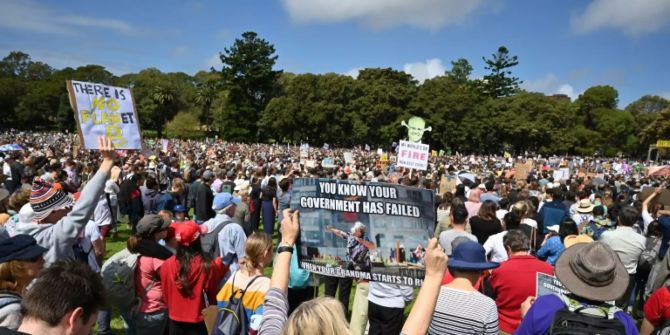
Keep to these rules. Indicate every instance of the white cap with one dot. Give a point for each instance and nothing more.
(553, 228)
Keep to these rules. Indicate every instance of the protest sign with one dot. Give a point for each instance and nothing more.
(328, 163)
(663, 198)
(304, 150)
(448, 184)
(547, 284)
(521, 171)
(348, 157)
(399, 221)
(102, 110)
(413, 155)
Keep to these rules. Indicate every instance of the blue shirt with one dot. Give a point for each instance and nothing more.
(541, 314)
(551, 250)
(552, 213)
(664, 221)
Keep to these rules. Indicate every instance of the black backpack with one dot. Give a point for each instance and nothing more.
(210, 241)
(578, 319)
(232, 319)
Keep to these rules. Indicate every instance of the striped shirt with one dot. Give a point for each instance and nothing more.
(275, 312)
(460, 312)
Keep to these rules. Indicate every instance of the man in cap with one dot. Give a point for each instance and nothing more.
(594, 276)
(204, 197)
(225, 237)
(56, 223)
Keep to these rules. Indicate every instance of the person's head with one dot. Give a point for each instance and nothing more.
(598, 211)
(187, 235)
(627, 216)
(567, 227)
(416, 126)
(585, 206)
(179, 212)
(207, 177)
(64, 298)
(487, 210)
(178, 186)
(503, 203)
(468, 260)
(320, 316)
(272, 183)
(490, 185)
(150, 227)
(49, 204)
(166, 214)
(592, 271)
(474, 195)
(18, 199)
(20, 262)
(225, 203)
(359, 229)
(285, 184)
(459, 214)
(258, 251)
(151, 183)
(654, 229)
(516, 241)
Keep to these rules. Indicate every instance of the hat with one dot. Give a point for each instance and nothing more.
(179, 208)
(482, 186)
(571, 240)
(151, 223)
(188, 232)
(223, 200)
(585, 206)
(553, 228)
(44, 198)
(20, 248)
(592, 271)
(470, 255)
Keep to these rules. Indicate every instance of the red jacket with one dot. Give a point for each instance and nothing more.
(189, 308)
(513, 282)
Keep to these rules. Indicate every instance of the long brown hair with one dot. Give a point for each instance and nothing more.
(255, 249)
(185, 256)
(487, 210)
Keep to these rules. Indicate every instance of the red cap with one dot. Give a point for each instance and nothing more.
(187, 232)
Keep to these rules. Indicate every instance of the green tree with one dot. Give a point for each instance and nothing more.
(594, 98)
(500, 82)
(166, 106)
(249, 77)
(15, 64)
(648, 104)
(460, 70)
(65, 117)
(184, 125)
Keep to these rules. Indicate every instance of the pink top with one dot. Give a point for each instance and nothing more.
(148, 269)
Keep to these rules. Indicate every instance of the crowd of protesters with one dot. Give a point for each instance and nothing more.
(203, 214)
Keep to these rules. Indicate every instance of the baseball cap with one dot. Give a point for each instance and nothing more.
(188, 232)
(223, 200)
(20, 248)
(151, 223)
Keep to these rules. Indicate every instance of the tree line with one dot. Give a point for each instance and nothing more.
(248, 100)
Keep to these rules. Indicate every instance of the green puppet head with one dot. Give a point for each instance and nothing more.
(416, 126)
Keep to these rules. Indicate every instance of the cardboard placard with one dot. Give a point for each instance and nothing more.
(413, 155)
(103, 110)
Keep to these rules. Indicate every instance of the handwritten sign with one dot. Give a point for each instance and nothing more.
(413, 155)
(102, 110)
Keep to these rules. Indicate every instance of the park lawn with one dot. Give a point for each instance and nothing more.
(115, 244)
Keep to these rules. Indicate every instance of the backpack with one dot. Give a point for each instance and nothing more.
(597, 230)
(579, 319)
(232, 319)
(210, 241)
(118, 277)
(649, 256)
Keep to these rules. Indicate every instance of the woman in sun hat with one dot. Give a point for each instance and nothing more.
(460, 308)
(594, 275)
(190, 281)
(20, 262)
(584, 213)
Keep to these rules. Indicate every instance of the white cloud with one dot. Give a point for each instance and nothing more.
(550, 85)
(633, 17)
(379, 14)
(665, 94)
(34, 17)
(353, 73)
(422, 71)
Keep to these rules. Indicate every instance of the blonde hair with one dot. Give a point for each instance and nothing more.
(321, 316)
(178, 185)
(13, 275)
(257, 247)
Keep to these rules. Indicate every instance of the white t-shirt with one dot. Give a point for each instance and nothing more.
(91, 234)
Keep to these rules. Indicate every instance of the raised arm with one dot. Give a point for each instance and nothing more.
(422, 313)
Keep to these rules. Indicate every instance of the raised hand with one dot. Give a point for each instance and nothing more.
(290, 226)
(436, 259)
(106, 148)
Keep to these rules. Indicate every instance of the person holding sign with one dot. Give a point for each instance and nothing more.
(57, 221)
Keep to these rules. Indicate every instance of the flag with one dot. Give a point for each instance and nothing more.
(433, 153)
(367, 147)
(326, 146)
(441, 153)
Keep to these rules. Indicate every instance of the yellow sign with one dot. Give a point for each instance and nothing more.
(663, 144)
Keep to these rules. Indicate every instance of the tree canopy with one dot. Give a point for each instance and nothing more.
(247, 99)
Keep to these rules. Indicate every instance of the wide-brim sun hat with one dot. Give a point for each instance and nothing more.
(592, 271)
(470, 256)
(585, 206)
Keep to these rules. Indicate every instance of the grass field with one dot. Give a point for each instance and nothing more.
(115, 244)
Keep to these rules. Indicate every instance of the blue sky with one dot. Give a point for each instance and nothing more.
(563, 46)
